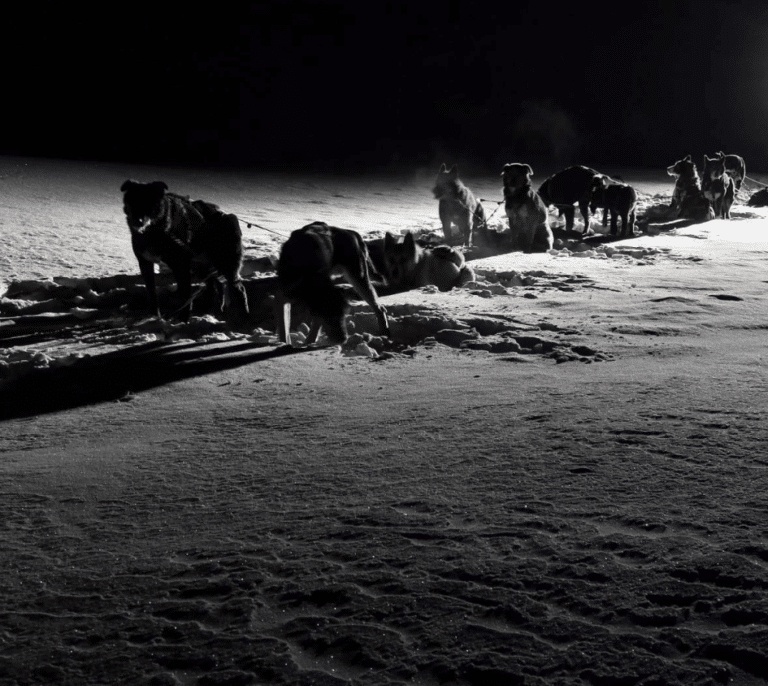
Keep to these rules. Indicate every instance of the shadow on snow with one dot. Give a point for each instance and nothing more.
(117, 375)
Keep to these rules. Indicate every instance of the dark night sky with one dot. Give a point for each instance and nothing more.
(341, 85)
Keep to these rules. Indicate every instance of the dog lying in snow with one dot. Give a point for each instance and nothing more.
(304, 270)
(759, 198)
(185, 235)
(408, 265)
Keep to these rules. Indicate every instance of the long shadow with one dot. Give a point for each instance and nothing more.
(114, 375)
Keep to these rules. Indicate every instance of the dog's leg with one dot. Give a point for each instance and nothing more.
(584, 209)
(530, 239)
(314, 330)
(570, 214)
(362, 285)
(215, 290)
(624, 223)
(445, 219)
(547, 236)
(147, 269)
(182, 270)
(466, 228)
(283, 316)
(237, 296)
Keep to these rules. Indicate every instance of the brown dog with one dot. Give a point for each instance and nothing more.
(457, 206)
(307, 260)
(185, 235)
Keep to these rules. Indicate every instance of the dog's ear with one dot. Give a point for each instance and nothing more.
(505, 168)
(159, 187)
(454, 171)
(127, 184)
(443, 168)
(687, 158)
(529, 169)
(389, 240)
(409, 242)
(721, 154)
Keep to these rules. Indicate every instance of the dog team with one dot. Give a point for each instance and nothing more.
(194, 236)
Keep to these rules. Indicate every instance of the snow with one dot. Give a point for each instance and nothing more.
(555, 474)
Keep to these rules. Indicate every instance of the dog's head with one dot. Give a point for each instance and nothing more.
(400, 257)
(597, 192)
(142, 202)
(515, 176)
(684, 168)
(714, 167)
(445, 181)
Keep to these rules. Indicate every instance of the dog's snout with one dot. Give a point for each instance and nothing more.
(138, 223)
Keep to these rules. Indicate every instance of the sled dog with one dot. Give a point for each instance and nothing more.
(688, 200)
(527, 213)
(616, 199)
(457, 205)
(718, 186)
(565, 189)
(736, 167)
(304, 271)
(408, 265)
(184, 235)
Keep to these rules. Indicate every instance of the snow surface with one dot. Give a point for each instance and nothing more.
(555, 475)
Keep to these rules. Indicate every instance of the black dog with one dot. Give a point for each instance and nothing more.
(307, 260)
(759, 199)
(568, 187)
(616, 199)
(184, 235)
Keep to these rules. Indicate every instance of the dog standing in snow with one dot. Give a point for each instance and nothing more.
(616, 199)
(565, 189)
(184, 235)
(304, 271)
